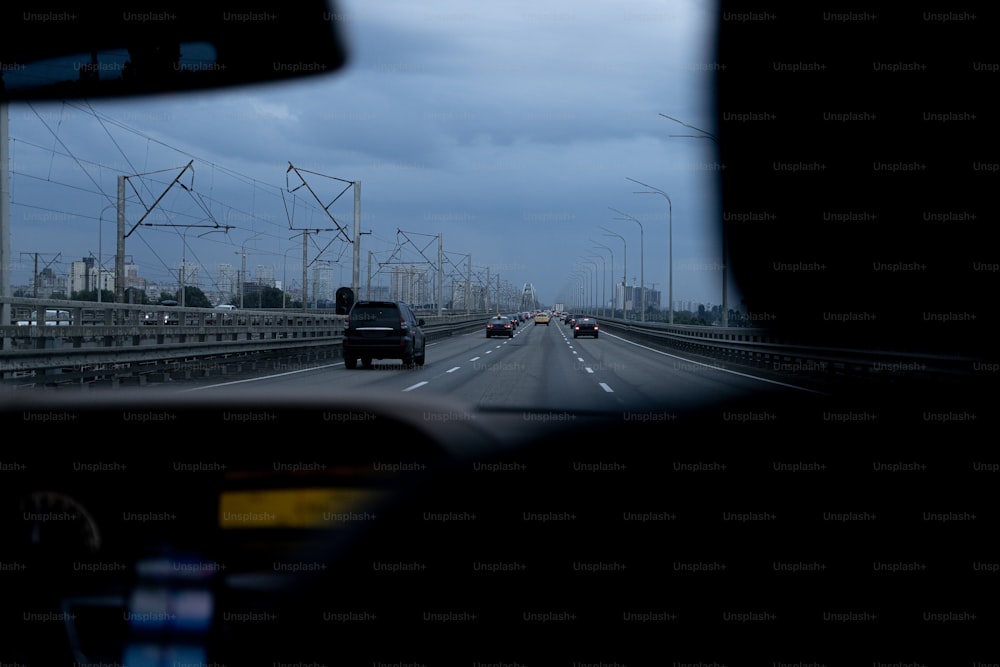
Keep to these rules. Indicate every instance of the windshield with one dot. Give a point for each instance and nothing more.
(696, 448)
(552, 160)
(522, 127)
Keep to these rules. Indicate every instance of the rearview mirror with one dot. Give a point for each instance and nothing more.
(114, 48)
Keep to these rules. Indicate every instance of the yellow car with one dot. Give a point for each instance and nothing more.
(542, 318)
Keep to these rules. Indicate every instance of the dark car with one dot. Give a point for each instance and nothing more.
(499, 326)
(585, 326)
(570, 320)
(383, 330)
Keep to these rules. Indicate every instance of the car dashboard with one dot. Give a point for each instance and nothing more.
(298, 531)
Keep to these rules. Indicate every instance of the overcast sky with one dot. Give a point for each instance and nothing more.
(510, 129)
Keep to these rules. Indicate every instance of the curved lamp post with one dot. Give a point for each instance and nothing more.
(624, 265)
(703, 134)
(670, 261)
(604, 293)
(613, 301)
(642, 262)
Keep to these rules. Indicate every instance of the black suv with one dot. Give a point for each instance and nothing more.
(585, 326)
(383, 330)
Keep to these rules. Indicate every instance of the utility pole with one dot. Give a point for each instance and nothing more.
(120, 257)
(5, 259)
(120, 245)
(356, 241)
(486, 292)
(36, 273)
(305, 270)
(440, 276)
(356, 270)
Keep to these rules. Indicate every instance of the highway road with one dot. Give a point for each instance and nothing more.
(541, 369)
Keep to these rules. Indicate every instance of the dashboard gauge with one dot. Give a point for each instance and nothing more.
(59, 524)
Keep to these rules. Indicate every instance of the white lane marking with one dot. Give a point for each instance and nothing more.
(452, 370)
(589, 369)
(415, 386)
(258, 379)
(716, 368)
(474, 359)
(606, 388)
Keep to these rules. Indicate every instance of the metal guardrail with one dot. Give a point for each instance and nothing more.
(144, 342)
(764, 350)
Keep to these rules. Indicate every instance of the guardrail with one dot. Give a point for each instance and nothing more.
(138, 343)
(765, 350)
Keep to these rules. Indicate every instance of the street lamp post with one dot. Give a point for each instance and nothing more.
(670, 261)
(593, 288)
(642, 263)
(581, 278)
(593, 293)
(243, 265)
(599, 245)
(703, 134)
(183, 271)
(284, 273)
(604, 285)
(588, 291)
(624, 264)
